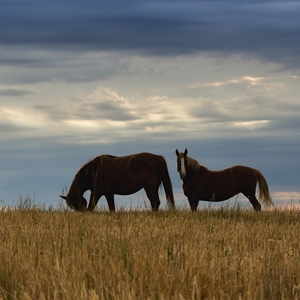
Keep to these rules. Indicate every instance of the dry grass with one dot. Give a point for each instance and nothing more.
(210, 254)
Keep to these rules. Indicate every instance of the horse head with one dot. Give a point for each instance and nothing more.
(78, 203)
(74, 198)
(181, 163)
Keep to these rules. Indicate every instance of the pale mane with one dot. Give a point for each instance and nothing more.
(105, 157)
(192, 164)
(102, 159)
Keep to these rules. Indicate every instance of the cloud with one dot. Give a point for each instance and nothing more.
(250, 82)
(172, 97)
(27, 65)
(291, 195)
(253, 124)
(105, 113)
(13, 92)
(268, 30)
(104, 103)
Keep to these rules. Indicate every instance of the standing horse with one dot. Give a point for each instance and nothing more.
(108, 175)
(199, 183)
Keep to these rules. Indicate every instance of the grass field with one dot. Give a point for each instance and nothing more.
(210, 254)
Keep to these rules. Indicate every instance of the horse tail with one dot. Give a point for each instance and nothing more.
(264, 193)
(166, 181)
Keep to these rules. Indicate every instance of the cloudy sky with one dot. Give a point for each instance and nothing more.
(83, 78)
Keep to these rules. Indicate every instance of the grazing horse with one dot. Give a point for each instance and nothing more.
(199, 183)
(108, 175)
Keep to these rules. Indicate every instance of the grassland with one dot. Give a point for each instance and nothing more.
(210, 254)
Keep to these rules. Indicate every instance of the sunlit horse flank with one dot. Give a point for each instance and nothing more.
(199, 183)
(108, 175)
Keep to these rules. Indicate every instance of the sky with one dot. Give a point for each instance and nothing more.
(83, 78)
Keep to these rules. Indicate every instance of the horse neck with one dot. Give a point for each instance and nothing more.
(194, 169)
(79, 185)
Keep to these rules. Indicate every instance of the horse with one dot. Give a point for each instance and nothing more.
(199, 183)
(108, 175)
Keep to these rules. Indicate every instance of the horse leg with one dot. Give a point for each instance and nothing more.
(111, 202)
(93, 201)
(256, 205)
(193, 202)
(152, 195)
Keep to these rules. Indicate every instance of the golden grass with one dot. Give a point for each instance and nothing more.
(210, 254)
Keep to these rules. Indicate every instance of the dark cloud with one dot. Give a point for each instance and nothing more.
(27, 65)
(269, 30)
(112, 112)
(104, 111)
(14, 92)
(51, 111)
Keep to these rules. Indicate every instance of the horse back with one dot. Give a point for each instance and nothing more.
(235, 176)
(140, 167)
(243, 175)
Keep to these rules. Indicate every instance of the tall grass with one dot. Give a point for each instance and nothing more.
(209, 254)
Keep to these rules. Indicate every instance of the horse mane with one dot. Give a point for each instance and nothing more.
(103, 158)
(100, 158)
(83, 171)
(192, 164)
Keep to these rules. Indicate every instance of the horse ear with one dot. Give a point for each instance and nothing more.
(64, 197)
(177, 152)
(185, 152)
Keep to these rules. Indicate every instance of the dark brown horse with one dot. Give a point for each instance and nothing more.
(199, 183)
(108, 175)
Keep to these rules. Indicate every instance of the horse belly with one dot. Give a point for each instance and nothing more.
(126, 187)
(215, 196)
(218, 191)
(222, 196)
